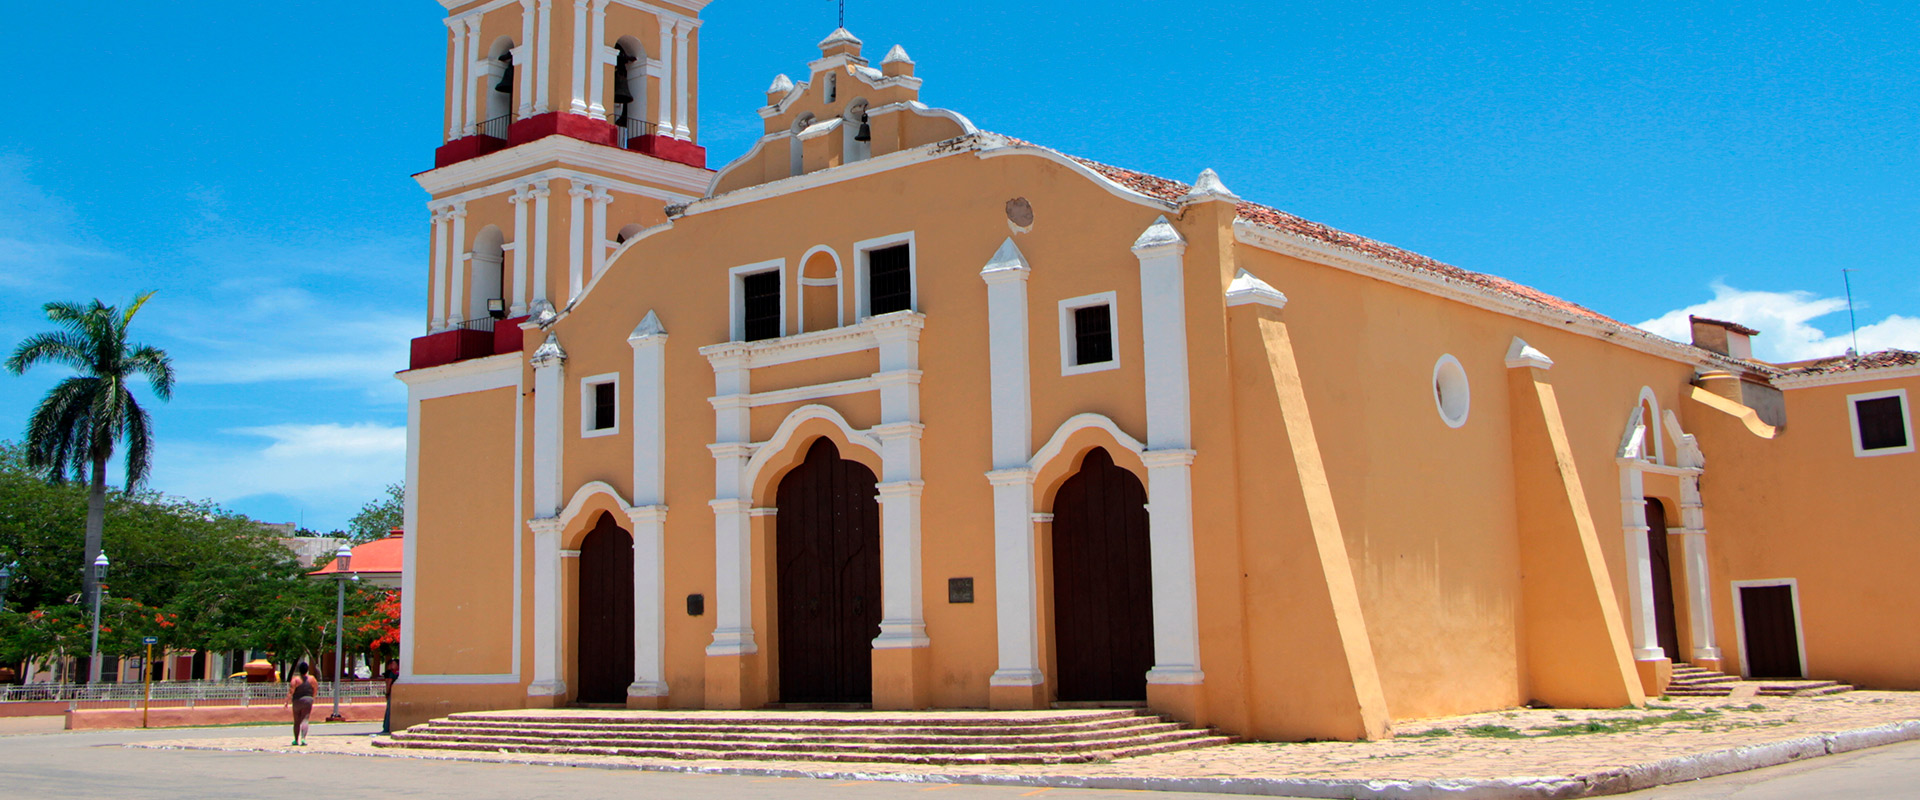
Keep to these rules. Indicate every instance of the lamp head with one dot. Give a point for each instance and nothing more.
(100, 565)
(343, 558)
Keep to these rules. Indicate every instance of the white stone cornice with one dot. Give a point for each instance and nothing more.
(570, 158)
(1850, 376)
(1018, 476)
(1521, 355)
(1167, 458)
(1159, 239)
(1249, 290)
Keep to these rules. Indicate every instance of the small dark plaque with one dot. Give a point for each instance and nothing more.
(696, 605)
(959, 590)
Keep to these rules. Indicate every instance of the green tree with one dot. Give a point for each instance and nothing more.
(378, 517)
(76, 426)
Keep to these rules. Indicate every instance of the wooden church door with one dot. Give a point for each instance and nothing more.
(1102, 584)
(1667, 629)
(827, 543)
(605, 630)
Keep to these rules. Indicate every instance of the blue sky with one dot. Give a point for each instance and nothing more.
(251, 162)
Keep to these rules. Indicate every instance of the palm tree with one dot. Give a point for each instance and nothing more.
(75, 427)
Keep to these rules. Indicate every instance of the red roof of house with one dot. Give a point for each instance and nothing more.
(1164, 189)
(1885, 359)
(380, 556)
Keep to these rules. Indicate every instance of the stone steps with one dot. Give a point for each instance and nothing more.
(934, 738)
(1692, 681)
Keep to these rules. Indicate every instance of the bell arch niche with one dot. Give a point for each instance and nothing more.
(486, 278)
(496, 89)
(631, 110)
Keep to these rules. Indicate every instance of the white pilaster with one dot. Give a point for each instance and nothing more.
(733, 534)
(457, 81)
(665, 121)
(1015, 566)
(597, 77)
(598, 236)
(543, 56)
(522, 250)
(461, 257)
(1169, 457)
(1633, 527)
(523, 58)
(549, 382)
(468, 75)
(438, 286)
(649, 515)
(540, 240)
(681, 129)
(579, 105)
(902, 617)
(577, 239)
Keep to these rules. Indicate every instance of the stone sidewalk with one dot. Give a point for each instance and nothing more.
(1517, 753)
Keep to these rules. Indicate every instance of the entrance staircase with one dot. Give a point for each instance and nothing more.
(1692, 681)
(932, 737)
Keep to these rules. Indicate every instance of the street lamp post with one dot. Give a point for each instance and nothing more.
(6, 581)
(100, 584)
(342, 562)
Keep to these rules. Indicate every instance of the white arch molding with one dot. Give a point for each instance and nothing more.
(1079, 422)
(765, 452)
(839, 304)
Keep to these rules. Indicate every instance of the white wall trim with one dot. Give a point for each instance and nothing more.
(839, 304)
(577, 160)
(505, 678)
(736, 297)
(1853, 422)
(1740, 621)
(587, 405)
(1079, 422)
(1850, 376)
(1069, 342)
(1659, 448)
(862, 293)
(581, 496)
(764, 452)
(806, 346)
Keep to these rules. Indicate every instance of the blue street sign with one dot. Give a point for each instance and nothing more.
(150, 640)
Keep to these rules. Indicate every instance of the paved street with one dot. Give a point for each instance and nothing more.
(1879, 773)
(92, 765)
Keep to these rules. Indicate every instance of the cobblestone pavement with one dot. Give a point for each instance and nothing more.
(1520, 743)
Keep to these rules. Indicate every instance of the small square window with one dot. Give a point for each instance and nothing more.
(1089, 338)
(1881, 423)
(600, 405)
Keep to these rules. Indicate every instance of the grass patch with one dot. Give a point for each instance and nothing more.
(1432, 733)
(1494, 732)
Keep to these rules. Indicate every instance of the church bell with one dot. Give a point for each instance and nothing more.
(865, 134)
(505, 86)
(622, 92)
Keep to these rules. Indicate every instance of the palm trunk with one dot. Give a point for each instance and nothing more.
(96, 522)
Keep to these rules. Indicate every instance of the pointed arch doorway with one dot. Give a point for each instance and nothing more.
(1102, 584)
(605, 631)
(827, 546)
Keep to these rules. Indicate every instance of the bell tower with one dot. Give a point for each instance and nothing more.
(570, 126)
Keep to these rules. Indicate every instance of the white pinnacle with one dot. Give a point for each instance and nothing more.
(781, 85)
(898, 53)
(1208, 187)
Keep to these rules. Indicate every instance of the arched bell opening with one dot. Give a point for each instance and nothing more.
(604, 632)
(827, 578)
(486, 277)
(1102, 584)
(497, 88)
(630, 90)
(858, 137)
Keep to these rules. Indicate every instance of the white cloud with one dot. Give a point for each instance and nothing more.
(1785, 321)
(331, 469)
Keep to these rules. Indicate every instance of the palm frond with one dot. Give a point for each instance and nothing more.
(156, 366)
(58, 347)
(138, 434)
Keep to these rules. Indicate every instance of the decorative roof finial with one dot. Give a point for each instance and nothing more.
(1208, 187)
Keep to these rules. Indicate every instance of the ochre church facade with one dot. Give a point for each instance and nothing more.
(892, 411)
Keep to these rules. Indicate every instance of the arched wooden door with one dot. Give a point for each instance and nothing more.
(605, 630)
(827, 542)
(1664, 622)
(1102, 584)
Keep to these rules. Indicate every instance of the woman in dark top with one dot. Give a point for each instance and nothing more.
(300, 692)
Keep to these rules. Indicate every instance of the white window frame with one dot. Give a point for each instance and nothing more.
(1069, 341)
(1853, 422)
(839, 305)
(1740, 621)
(737, 296)
(862, 295)
(1466, 391)
(587, 385)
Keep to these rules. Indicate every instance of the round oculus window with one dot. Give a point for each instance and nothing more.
(1450, 391)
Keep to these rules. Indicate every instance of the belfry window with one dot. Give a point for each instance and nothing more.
(630, 91)
(1089, 337)
(498, 86)
(1882, 424)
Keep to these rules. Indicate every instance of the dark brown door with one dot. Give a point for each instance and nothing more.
(1102, 584)
(1663, 618)
(605, 632)
(827, 541)
(1773, 639)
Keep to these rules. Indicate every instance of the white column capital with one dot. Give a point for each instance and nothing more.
(1018, 476)
(601, 195)
(1159, 459)
(538, 189)
(581, 190)
(473, 24)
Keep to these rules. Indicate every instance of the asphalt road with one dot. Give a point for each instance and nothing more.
(94, 765)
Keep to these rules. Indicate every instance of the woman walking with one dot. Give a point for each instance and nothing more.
(300, 693)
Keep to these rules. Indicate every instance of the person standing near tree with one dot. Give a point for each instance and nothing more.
(300, 694)
(391, 675)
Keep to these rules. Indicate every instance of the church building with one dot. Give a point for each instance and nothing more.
(891, 411)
